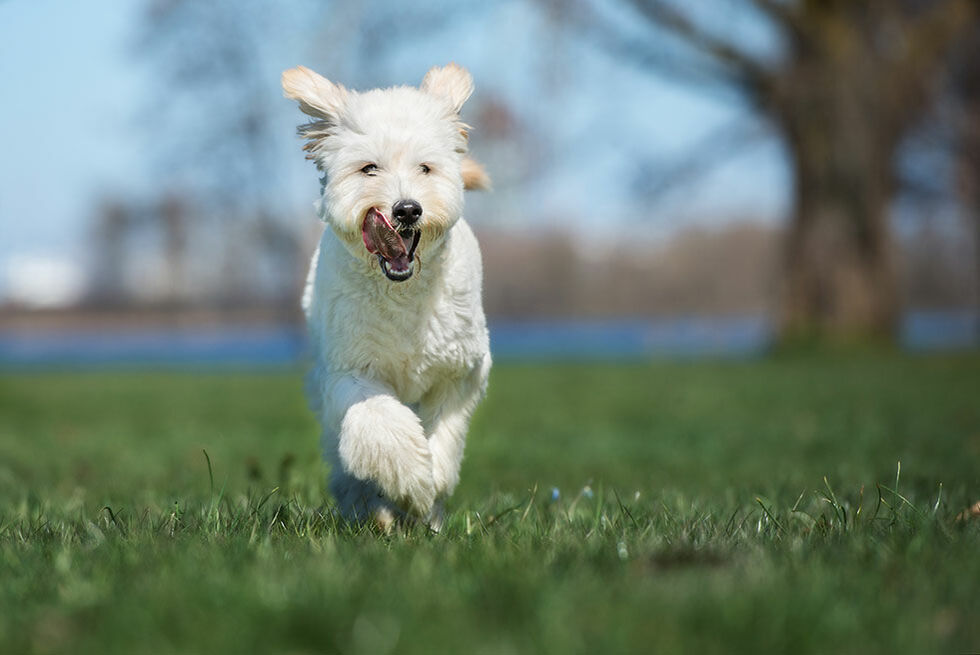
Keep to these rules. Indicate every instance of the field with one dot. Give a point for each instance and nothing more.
(785, 505)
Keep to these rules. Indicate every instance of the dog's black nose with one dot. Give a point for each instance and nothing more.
(406, 212)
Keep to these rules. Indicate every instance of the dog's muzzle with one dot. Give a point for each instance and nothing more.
(381, 239)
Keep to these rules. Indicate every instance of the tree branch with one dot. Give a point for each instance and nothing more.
(932, 35)
(742, 66)
(929, 38)
(784, 15)
(711, 151)
(648, 58)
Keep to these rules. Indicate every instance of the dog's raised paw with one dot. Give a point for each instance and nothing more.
(381, 440)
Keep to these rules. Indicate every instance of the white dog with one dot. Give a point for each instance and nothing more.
(393, 298)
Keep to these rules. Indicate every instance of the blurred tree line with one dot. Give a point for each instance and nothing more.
(859, 92)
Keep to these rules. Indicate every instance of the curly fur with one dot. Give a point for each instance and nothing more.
(398, 367)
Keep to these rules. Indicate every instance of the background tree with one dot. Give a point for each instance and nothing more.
(216, 141)
(847, 83)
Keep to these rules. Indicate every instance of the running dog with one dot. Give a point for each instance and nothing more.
(393, 299)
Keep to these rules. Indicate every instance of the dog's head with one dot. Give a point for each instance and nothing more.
(393, 161)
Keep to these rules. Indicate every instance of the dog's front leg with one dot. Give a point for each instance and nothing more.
(446, 411)
(380, 441)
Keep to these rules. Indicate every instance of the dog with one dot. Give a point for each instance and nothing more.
(393, 299)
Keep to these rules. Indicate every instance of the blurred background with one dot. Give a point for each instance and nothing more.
(690, 185)
(670, 178)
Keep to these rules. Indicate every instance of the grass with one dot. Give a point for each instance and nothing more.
(685, 507)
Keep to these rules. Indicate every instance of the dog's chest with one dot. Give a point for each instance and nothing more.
(441, 342)
(410, 345)
(410, 336)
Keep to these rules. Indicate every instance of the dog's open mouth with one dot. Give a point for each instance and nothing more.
(381, 239)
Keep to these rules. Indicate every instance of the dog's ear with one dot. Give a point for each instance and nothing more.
(475, 177)
(452, 82)
(317, 96)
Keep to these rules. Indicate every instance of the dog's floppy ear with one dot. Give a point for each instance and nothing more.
(317, 96)
(452, 82)
(475, 177)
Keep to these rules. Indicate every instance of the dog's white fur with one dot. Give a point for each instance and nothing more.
(398, 367)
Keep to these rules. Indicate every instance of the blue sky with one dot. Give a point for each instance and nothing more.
(66, 117)
(74, 85)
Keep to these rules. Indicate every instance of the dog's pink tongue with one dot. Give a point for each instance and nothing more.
(380, 238)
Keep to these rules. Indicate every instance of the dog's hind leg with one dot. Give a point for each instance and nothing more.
(380, 444)
(446, 411)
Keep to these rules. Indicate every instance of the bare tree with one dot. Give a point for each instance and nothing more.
(112, 224)
(849, 81)
(214, 137)
(210, 107)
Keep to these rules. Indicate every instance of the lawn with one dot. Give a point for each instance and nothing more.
(709, 507)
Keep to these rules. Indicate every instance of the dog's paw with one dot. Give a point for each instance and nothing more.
(381, 440)
(416, 490)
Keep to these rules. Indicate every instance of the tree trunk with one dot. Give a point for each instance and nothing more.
(840, 280)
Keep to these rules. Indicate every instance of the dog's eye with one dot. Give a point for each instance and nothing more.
(369, 169)
(425, 169)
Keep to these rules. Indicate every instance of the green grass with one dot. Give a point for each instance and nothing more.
(703, 508)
